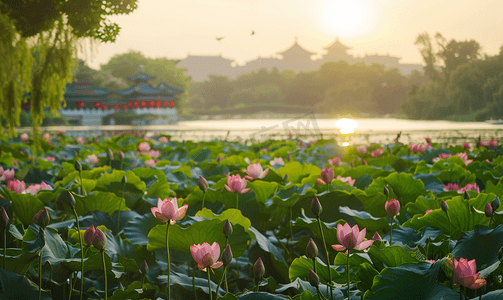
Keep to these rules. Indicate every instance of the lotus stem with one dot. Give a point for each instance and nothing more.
(328, 260)
(347, 270)
(105, 271)
(225, 269)
(194, 279)
(314, 265)
(82, 192)
(328, 187)
(237, 200)
(120, 206)
(167, 254)
(40, 274)
(290, 223)
(71, 286)
(81, 254)
(319, 293)
(204, 196)
(4, 246)
(222, 279)
(391, 231)
(142, 280)
(209, 283)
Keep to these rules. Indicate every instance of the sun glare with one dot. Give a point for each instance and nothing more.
(345, 17)
(346, 126)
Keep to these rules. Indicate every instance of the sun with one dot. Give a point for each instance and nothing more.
(345, 17)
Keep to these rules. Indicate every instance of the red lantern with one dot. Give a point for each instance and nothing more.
(116, 107)
(166, 103)
(143, 104)
(130, 104)
(152, 103)
(82, 104)
(171, 104)
(125, 106)
(158, 104)
(136, 104)
(105, 107)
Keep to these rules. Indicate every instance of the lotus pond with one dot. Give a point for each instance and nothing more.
(131, 217)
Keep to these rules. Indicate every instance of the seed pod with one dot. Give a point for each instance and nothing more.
(259, 268)
(42, 218)
(444, 206)
(227, 255)
(4, 218)
(313, 278)
(316, 207)
(203, 184)
(227, 228)
(124, 180)
(311, 249)
(78, 166)
(144, 268)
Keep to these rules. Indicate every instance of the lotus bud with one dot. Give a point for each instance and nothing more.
(313, 278)
(4, 218)
(259, 268)
(100, 240)
(218, 159)
(124, 180)
(110, 154)
(67, 197)
(316, 208)
(227, 228)
(386, 192)
(42, 218)
(392, 207)
(121, 155)
(466, 195)
(78, 166)
(364, 162)
(376, 237)
(203, 184)
(449, 263)
(285, 178)
(89, 235)
(227, 255)
(144, 268)
(312, 249)
(488, 210)
(444, 206)
(495, 204)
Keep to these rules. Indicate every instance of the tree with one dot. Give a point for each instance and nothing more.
(37, 50)
(425, 44)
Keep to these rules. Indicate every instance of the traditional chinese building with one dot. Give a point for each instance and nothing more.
(88, 105)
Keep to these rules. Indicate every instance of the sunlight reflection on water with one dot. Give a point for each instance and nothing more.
(346, 126)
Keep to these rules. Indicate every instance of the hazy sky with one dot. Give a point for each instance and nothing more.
(174, 29)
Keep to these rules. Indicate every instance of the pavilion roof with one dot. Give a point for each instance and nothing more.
(337, 46)
(296, 51)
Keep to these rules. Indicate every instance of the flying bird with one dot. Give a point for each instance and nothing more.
(253, 32)
(219, 38)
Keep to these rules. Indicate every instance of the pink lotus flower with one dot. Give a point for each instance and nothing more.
(236, 184)
(35, 188)
(351, 238)
(376, 237)
(144, 147)
(466, 146)
(149, 163)
(418, 148)
(24, 137)
(428, 211)
(153, 153)
(377, 152)
(347, 180)
(46, 136)
(469, 187)
(327, 175)
(92, 159)
(464, 157)
(336, 161)
(16, 186)
(50, 158)
(60, 132)
(428, 140)
(277, 161)
(80, 140)
(392, 207)
(465, 273)
(492, 143)
(362, 149)
(206, 256)
(163, 139)
(6, 175)
(451, 187)
(255, 171)
(167, 210)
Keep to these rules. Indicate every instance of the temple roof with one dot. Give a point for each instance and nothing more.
(85, 88)
(205, 59)
(140, 77)
(296, 51)
(337, 46)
